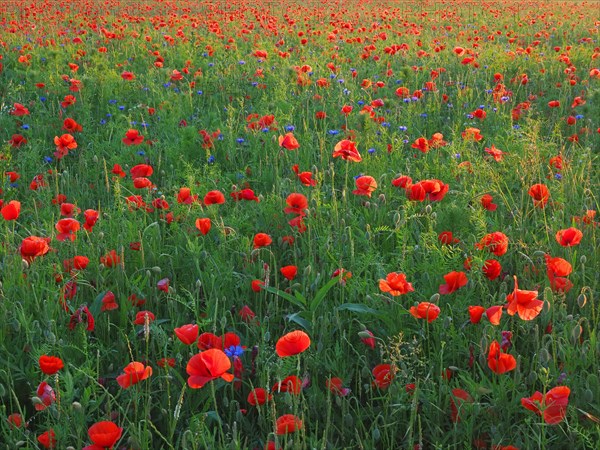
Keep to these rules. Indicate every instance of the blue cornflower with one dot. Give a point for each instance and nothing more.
(290, 128)
(334, 132)
(234, 350)
(199, 92)
(25, 126)
(402, 128)
(141, 153)
(211, 159)
(112, 102)
(240, 140)
(371, 151)
(47, 159)
(42, 99)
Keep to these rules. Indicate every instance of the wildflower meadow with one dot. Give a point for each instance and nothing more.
(299, 224)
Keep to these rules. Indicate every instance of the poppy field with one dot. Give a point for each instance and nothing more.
(292, 225)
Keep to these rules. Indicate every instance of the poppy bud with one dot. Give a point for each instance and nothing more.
(76, 406)
(581, 300)
(576, 334)
(24, 264)
(434, 298)
(156, 269)
(428, 209)
(382, 198)
(544, 356)
(532, 378)
(307, 270)
(588, 396)
(583, 259)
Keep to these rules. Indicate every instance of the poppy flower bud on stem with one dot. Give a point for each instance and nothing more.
(434, 298)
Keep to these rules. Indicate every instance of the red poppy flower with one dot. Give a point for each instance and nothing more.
(346, 109)
(288, 423)
(133, 137)
(67, 229)
(403, 181)
(422, 144)
(128, 75)
(246, 314)
(425, 310)
(346, 149)
(91, 217)
(207, 366)
(554, 104)
(214, 198)
(187, 333)
(459, 396)
(47, 439)
(108, 302)
(17, 141)
(262, 240)
(257, 285)
(71, 126)
(134, 373)
(475, 313)
(447, 238)
(335, 386)
(63, 144)
(15, 420)
(540, 195)
(258, 396)
(50, 364)
(291, 384)
(289, 272)
(491, 269)
(11, 210)
(46, 395)
(495, 153)
(118, 170)
(19, 110)
(558, 266)
(105, 434)
(494, 314)
(203, 225)
(111, 259)
(288, 142)
(472, 134)
(297, 204)
(525, 303)
(487, 202)
(384, 374)
(569, 237)
(142, 183)
(454, 281)
(368, 338)
(164, 362)
(553, 404)
(365, 185)
(32, 247)
(496, 243)
(395, 283)
(304, 177)
(142, 316)
(185, 196)
(500, 362)
(69, 209)
(141, 170)
(292, 343)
